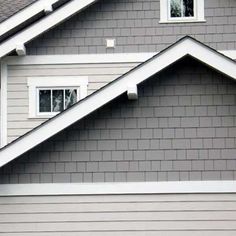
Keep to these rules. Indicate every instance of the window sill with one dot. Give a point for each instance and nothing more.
(181, 21)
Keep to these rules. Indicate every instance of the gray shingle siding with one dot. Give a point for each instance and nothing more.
(135, 26)
(182, 127)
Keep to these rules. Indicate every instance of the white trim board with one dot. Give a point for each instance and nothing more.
(184, 47)
(90, 58)
(3, 116)
(43, 25)
(178, 187)
(24, 15)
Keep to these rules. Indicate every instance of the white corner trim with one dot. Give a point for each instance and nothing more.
(3, 113)
(178, 187)
(24, 15)
(45, 24)
(184, 47)
(53, 82)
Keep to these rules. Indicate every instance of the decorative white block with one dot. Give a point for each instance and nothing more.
(110, 43)
(20, 50)
(132, 92)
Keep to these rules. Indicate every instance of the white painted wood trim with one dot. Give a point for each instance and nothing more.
(80, 59)
(21, 50)
(52, 82)
(186, 46)
(180, 187)
(3, 114)
(24, 15)
(91, 58)
(132, 92)
(45, 24)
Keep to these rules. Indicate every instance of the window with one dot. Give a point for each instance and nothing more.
(50, 95)
(56, 100)
(181, 8)
(181, 11)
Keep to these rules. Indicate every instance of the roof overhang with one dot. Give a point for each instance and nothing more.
(43, 25)
(26, 14)
(184, 47)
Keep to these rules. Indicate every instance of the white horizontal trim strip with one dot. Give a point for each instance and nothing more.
(24, 15)
(55, 81)
(90, 58)
(119, 188)
(45, 24)
(79, 59)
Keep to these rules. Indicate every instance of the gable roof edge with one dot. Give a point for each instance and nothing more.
(48, 22)
(185, 46)
(24, 14)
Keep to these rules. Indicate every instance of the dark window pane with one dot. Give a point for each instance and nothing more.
(44, 100)
(175, 8)
(188, 8)
(70, 97)
(57, 100)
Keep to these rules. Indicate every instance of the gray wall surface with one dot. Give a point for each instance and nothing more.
(135, 26)
(182, 127)
(127, 215)
(18, 121)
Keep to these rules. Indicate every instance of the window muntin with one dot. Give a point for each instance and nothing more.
(55, 100)
(181, 8)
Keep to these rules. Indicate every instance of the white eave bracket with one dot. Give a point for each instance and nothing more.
(132, 92)
(48, 8)
(20, 49)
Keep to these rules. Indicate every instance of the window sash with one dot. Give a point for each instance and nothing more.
(182, 12)
(51, 98)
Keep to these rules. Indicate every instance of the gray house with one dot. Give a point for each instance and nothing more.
(118, 117)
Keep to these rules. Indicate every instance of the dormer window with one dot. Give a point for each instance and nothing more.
(177, 11)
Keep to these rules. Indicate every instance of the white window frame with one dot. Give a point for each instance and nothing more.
(166, 18)
(53, 82)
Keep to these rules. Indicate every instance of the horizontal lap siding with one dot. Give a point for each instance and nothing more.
(170, 215)
(18, 122)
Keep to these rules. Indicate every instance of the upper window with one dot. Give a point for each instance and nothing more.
(54, 100)
(181, 11)
(50, 95)
(181, 8)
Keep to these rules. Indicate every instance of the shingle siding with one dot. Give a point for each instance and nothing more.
(135, 26)
(182, 127)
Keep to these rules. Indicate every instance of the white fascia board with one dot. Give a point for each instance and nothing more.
(24, 15)
(229, 53)
(184, 47)
(178, 187)
(45, 24)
